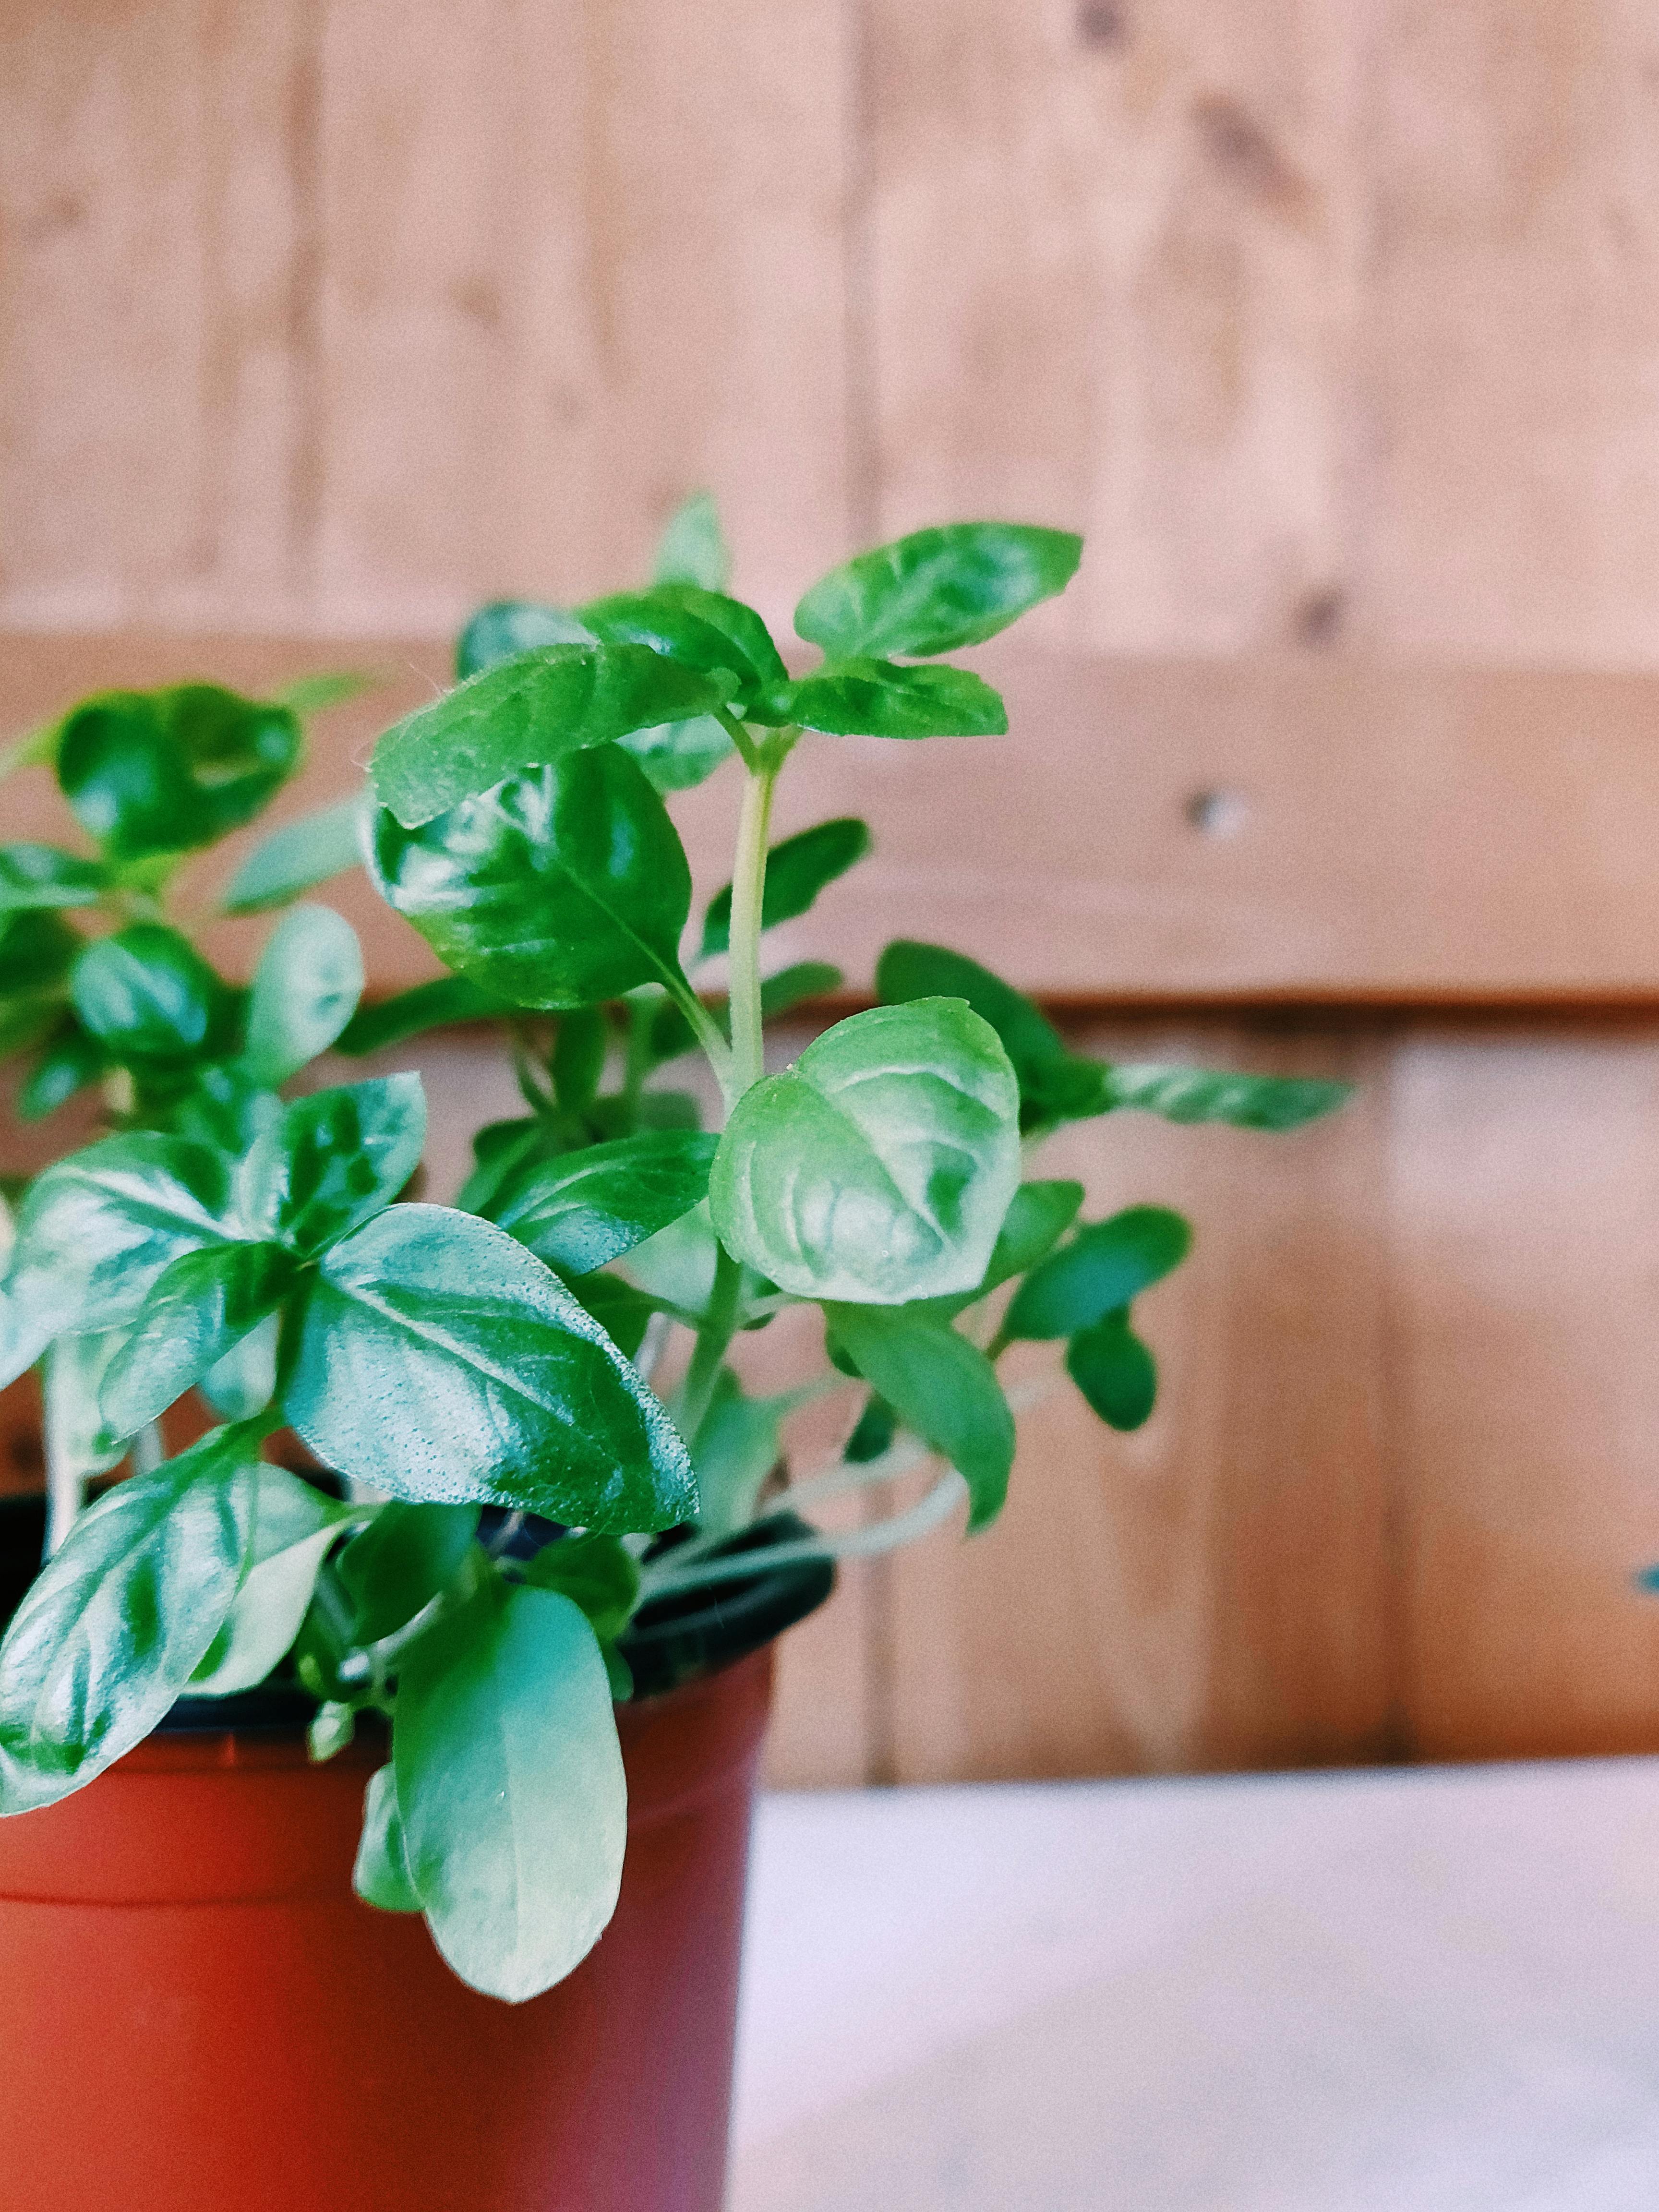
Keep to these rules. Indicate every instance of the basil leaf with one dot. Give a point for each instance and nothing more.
(676, 755)
(71, 1061)
(120, 1619)
(220, 1106)
(1039, 1216)
(692, 548)
(1104, 1265)
(294, 1525)
(908, 970)
(621, 1311)
(332, 1160)
(807, 979)
(328, 687)
(146, 994)
(523, 714)
(306, 988)
(942, 1387)
(434, 1005)
(506, 627)
(734, 619)
(79, 1439)
(201, 1306)
(578, 1056)
(880, 1167)
(37, 951)
(880, 699)
(439, 1360)
(242, 1382)
(35, 876)
(510, 1785)
(797, 870)
(737, 1446)
(153, 772)
(1114, 1371)
(381, 1875)
(938, 590)
(502, 1152)
(595, 1572)
(588, 1208)
(664, 624)
(872, 1432)
(558, 890)
(299, 856)
(1199, 1094)
(401, 1561)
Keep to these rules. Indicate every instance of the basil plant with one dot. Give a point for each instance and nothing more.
(509, 1490)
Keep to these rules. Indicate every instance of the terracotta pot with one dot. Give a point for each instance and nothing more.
(197, 2014)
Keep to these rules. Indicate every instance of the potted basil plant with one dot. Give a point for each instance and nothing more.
(521, 1604)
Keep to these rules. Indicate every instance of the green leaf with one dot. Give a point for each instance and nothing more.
(1039, 1216)
(306, 988)
(676, 755)
(942, 1387)
(1104, 1265)
(736, 621)
(119, 1619)
(621, 1311)
(202, 1305)
(439, 1360)
(219, 1106)
(937, 590)
(668, 623)
(434, 1005)
(1199, 1094)
(299, 856)
(334, 1159)
(807, 979)
(242, 1382)
(401, 1561)
(329, 687)
(294, 1525)
(872, 1432)
(381, 1875)
(675, 1267)
(78, 1439)
(71, 1061)
(146, 994)
(35, 876)
(692, 548)
(797, 870)
(502, 1152)
(506, 627)
(526, 714)
(880, 1167)
(151, 772)
(908, 970)
(559, 890)
(880, 699)
(736, 1447)
(579, 1056)
(595, 1572)
(509, 1783)
(1114, 1371)
(588, 1208)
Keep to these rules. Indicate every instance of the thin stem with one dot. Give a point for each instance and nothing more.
(948, 1493)
(66, 1486)
(707, 1031)
(748, 901)
(147, 1450)
(715, 1332)
(747, 752)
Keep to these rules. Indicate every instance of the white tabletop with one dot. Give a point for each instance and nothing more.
(1432, 1990)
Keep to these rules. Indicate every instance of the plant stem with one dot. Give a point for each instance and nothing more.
(147, 1449)
(718, 1327)
(66, 1486)
(940, 1502)
(748, 898)
(706, 1029)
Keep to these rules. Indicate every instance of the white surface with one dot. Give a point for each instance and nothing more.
(1422, 1991)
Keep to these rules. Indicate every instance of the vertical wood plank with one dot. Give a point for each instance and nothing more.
(581, 257)
(153, 378)
(1214, 1591)
(1525, 1195)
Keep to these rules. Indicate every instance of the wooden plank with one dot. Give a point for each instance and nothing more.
(1216, 1590)
(578, 261)
(153, 339)
(1311, 830)
(1524, 1390)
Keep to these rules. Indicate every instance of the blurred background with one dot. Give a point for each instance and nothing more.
(1333, 324)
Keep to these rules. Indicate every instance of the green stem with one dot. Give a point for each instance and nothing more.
(718, 1327)
(748, 899)
(937, 1505)
(706, 1030)
(747, 752)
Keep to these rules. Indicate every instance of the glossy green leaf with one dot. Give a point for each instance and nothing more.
(333, 1159)
(588, 1208)
(202, 1305)
(439, 1360)
(624, 1313)
(328, 687)
(510, 1786)
(1039, 1216)
(152, 772)
(942, 1387)
(1115, 1371)
(79, 1440)
(577, 1066)
(597, 1573)
(242, 1382)
(880, 1167)
(797, 870)
(400, 1562)
(937, 590)
(1104, 1266)
(502, 1152)
(381, 1875)
(1053, 1086)
(692, 548)
(148, 995)
(790, 986)
(120, 1618)
(872, 1432)
(559, 890)
(881, 699)
(676, 756)
(669, 622)
(299, 856)
(737, 1446)
(524, 714)
(435, 1005)
(35, 876)
(71, 1061)
(305, 989)
(294, 1525)
(1201, 1094)
(506, 627)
